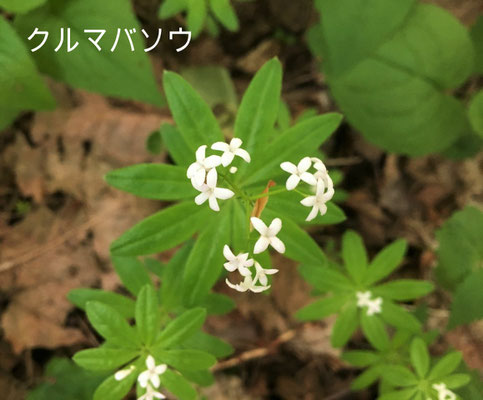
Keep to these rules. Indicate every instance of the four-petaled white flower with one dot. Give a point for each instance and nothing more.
(247, 284)
(363, 298)
(151, 375)
(231, 150)
(268, 235)
(298, 172)
(151, 394)
(210, 192)
(443, 392)
(374, 306)
(197, 171)
(123, 373)
(239, 262)
(261, 274)
(319, 200)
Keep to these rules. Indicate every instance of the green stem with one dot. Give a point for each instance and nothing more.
(273, 193)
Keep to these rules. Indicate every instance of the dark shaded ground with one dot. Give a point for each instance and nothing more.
(57, 218)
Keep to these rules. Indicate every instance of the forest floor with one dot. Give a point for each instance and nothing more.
(58, 217)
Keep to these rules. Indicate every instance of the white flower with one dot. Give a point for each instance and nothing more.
(363, 298)
(268, 235)
(320, 167)
(298, 172)
(233, 170)
(120, 375)
(261, 274)
(197, 171)
(239, 262)
(443, 392)
(374, 306)
(248, 284)
(230, 151)
(151, 394)
(152, 373)
(210, 192)
(319, 200)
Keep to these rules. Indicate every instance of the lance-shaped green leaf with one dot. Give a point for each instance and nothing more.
(403, 289)
(360, 358)
(259, 109)
(197, 13)
(322, 308)
(194, 119)
(178, 385)
(367, 378)
(181, 328)
(375, 331)
(467, 295)
(153, 181)
(201, 378)
(400, 318)
(385, 262)
(354, 255)
(399, 375)
(477, 37)
(446, 365)
(218, 304)
(104, 359)
(456, 381)
(211, 344)
(420, 358)
(147, 315)
(132, 273)
(121, 304)
(112, 389)
(22, 87)
(345, 325)
(170, 8)
(133, 80)
(325, 278)
(404, 394)
(292, 145)
(205, 261)
(185, 359)
(225, 14)
(177, 147)
(239, 225)
(161, 231)
(111, 325)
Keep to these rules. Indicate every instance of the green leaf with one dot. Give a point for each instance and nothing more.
(321, 309)
(403, 289)
(121, 304)
(24, 89)
(181, 328)
(385, 262)
(197, 13)
(161, 231)
(187, 360)
(104, 359)
(259, 109)
(132, 273)
(122, 72)
(210, 344)
(420, 358)
(170, 8)
(345, 325)
(399, 375)
(467, 297)
(153, 181)
(354, 255)
(177, 147)
(205, 262)
(111, 325)
(375, 331)
(460, 248)
(154, 143)
(112, 389)
(325, 278)
(393, 88)
(178, 385)
(292, 145)
(194, 118)
(20, 6)
(445, 366)
(224, 13)
(218, 304)
(367, 378)
(475, 113)
(239, 218)
(299, 244)
(147, 315)
(456, 381)
(398, 317)
(405, 394)
(477, 37)
(360, 358)
(201, 378)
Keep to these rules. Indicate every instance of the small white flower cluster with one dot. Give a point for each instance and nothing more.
(443, 392)
(374, 306)
(324, 187)
(148, 379)
(204, 176)
(242, 264)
